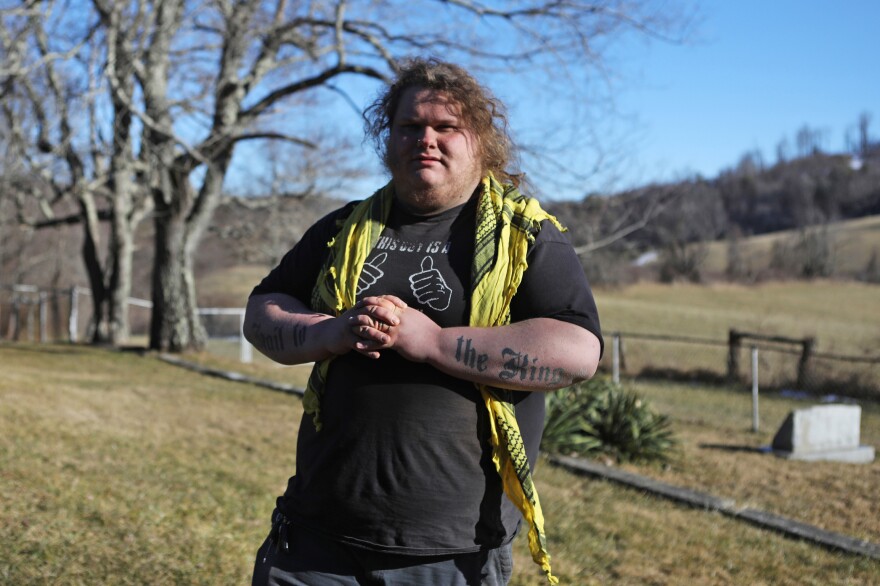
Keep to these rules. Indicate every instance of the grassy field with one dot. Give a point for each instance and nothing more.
(116, 468)
(842, 316)
(852, 244)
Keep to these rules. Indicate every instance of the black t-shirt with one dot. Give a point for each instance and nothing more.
(402, 462)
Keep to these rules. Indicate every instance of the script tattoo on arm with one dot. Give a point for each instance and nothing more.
(466, 354)
(516, 366)
(273, 340)
(519, 366)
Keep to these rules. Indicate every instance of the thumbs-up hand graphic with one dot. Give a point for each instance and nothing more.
(429, 287)
(371, 272)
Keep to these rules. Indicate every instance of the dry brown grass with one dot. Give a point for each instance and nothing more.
(628, 537)
(852, 242)
(843, 316)
(121, 469)
(229, 287)
(115, 469)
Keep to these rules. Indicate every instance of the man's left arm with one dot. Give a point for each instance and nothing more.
(539, 354)
(554, 339)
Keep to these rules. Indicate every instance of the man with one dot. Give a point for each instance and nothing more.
(433, 310)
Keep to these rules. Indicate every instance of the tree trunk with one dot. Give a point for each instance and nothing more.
(180, 221)
(98, 325)
(128, 205)
(121, 252)
(174, 324)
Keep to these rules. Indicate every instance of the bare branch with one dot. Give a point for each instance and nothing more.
(71, 219)
(305, 84)
(656, 205)
(275, 136)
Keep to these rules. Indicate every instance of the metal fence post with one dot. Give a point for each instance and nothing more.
(755, 417)
(246, 353)
(29, 303)
(74, 314)
(615, 359)
(43, 316)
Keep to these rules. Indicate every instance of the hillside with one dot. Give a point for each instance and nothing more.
(812, 196)
(691, 228)
(852, 249)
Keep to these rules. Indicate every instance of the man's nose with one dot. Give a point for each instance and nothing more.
(427, 137)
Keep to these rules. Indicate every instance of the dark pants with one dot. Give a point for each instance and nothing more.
(291, 556)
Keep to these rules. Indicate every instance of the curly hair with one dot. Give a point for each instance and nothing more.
(483, 114)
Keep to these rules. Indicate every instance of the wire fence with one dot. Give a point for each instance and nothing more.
(782, 363)
(29, 313)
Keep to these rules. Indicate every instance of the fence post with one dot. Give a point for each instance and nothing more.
(615, 359)
(246, 351)
(804, 362)
(43, 316)
(755, 417)
(734, 340)
(31, 306)
(13, 327)
(74, 315)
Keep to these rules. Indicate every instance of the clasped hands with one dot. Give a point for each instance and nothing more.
(386, 322)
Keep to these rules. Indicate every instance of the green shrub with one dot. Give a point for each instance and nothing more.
(600, 417)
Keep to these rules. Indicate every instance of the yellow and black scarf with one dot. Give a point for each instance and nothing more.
(506, 224)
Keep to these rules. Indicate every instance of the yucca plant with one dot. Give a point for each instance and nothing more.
(600, 417)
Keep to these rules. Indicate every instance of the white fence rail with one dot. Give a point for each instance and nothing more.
(26, 307)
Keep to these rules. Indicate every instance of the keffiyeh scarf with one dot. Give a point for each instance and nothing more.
(506, 224)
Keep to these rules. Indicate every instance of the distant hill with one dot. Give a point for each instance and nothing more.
(750, 199)
(692, 226)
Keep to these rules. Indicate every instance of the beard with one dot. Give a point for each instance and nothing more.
(430, 191)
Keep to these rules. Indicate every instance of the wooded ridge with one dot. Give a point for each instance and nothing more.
(679, 219)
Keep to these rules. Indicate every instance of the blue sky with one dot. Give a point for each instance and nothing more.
(753, 74)
(757, 72)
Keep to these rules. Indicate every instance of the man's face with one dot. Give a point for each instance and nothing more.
(433, 159)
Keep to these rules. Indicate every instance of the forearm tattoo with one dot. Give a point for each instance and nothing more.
(515, 366)
(274, 339)
(466, 354)
(518, 366)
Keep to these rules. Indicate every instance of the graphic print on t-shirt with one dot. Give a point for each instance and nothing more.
(429, 286)
(371, 272)
(419, 266)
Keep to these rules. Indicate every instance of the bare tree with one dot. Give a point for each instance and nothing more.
(54, 99)
(864, 134)
(782, 151)
(809, 140)
(190, 81)
(685, 228)
(611, 221)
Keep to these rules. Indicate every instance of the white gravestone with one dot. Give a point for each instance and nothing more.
(824, 432)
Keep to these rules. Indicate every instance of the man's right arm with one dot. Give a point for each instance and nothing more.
(286, 330)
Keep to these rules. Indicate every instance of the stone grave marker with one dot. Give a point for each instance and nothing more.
(823, 432)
